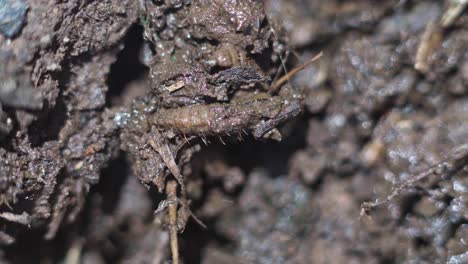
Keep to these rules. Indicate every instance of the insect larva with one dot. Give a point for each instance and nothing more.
(216, 118)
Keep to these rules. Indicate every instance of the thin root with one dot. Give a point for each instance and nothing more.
(288, 76)
(171, 190)
(176, 201)
(456, 160)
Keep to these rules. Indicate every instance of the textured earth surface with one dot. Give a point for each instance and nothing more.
(103, 102)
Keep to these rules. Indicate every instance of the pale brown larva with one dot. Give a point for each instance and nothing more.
(220, 119)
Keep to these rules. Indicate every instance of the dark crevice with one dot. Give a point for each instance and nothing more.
(128, 66)
(273, 156)
(48, 126)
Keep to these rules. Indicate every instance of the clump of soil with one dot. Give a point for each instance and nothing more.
(113, 110)
(56, 136)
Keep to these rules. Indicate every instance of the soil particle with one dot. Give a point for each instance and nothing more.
(385, 115)
(265, 228)
(12, 16)
(235, 22)
(311, 21)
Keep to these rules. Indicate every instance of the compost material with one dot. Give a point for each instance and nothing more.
(113, 113)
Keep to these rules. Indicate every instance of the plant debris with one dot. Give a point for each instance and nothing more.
(192, 131)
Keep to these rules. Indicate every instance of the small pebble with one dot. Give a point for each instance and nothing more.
(12, 16)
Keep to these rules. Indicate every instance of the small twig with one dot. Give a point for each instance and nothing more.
(171, 190)
(288, 76)
(457, 159)
(175, 86)
(367, 206)
(432, 36)
(430, 40)
(454, 10)
(194, 217)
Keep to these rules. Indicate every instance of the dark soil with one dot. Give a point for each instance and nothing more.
(361, 157)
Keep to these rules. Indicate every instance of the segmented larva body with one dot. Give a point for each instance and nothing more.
(217, 119)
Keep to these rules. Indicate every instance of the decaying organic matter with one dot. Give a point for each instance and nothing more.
(191, 98)
(56, 138)
(198, 93)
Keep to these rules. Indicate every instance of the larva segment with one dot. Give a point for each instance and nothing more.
(218, 119)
